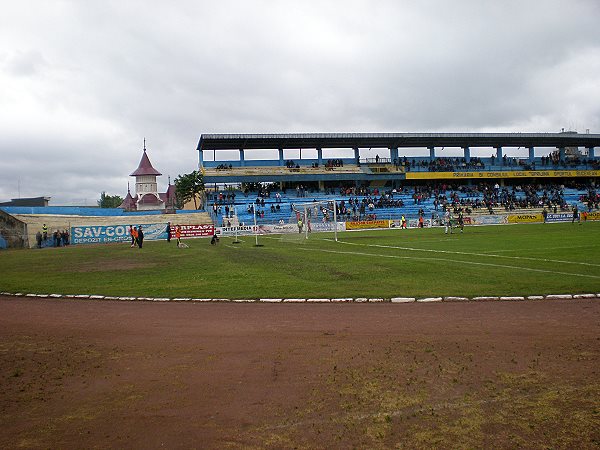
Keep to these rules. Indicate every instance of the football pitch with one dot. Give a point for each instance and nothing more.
(87, 374)
(535, 259)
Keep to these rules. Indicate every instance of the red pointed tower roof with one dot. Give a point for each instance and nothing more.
(128, 201)
(145, 167)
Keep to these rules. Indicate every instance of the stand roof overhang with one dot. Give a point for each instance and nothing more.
(394, 140)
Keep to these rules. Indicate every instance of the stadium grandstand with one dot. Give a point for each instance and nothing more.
(524, 177)
(557, 171)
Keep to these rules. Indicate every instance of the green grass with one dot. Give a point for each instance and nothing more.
(493, 260)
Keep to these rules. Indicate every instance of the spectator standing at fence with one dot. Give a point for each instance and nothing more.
(168, 231)
(178, 234)
(44, 232)
(403, 222)
(134, 236)
(64, 235)
(38, 239)
(140, 236)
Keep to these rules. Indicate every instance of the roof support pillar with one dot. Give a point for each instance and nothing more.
(320, 156)
(393, 154)
(591, 154)
(357, 154)
(242, 162)
(467, 154)
(281, 157)
(499, 154)
(561, 153)
(200, 158)
(531, 154)
(431, 153)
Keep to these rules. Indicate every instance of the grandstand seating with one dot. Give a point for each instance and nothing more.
(410, 209)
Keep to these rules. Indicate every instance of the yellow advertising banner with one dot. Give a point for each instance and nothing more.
(503, 174)
(361, 225)
(592, 215)
(525, 218)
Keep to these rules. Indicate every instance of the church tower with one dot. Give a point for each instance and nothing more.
(146, 188)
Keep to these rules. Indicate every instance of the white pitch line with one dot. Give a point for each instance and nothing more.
(537, 249)
(469, 253)
(504, 266)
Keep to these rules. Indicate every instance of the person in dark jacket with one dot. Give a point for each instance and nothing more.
(140, 238)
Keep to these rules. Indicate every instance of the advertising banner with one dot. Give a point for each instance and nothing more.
(283, 228)
(94, 234)
(413, 223)
(327, 226)
(503, 174)
(286, 228)
(490, 219)
(232, 231)
(592, 215)
(525, 218)
(559, 217)
(365, 224)
(192, 231)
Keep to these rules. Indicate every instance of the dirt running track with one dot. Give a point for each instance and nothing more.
(101, 374)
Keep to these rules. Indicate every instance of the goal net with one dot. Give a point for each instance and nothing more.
(306, 217)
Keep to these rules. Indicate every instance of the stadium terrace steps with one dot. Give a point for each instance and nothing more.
(410, 208)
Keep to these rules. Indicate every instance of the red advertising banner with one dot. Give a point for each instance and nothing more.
(188, 231)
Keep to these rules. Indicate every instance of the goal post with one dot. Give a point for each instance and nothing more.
(306, 216)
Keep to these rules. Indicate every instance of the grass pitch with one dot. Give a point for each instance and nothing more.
(494, 260)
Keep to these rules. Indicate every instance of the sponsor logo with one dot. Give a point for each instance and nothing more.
(115, 233)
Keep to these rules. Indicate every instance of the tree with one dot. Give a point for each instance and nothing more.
(109, 201)
(187, 187)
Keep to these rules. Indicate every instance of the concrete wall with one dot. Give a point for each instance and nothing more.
(13, 231)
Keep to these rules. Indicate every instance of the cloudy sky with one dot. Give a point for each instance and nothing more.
(82, 83)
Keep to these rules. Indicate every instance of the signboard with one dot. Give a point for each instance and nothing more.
(365, 224)
(488, 219)
(525, 218)
(592, 215)
(94, 234)
(327, 226)
(503, 174)
(231, 231)
(559, 217)
(192, 231)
